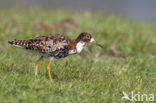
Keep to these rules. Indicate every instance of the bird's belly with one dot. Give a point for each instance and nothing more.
(58, 54)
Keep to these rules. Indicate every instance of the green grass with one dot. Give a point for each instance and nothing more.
(94, 76)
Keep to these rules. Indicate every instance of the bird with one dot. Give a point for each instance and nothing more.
(54, 46)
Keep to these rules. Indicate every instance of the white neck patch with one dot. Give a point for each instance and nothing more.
(80, 45)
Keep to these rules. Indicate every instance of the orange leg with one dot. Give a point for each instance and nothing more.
(48, 69)
(36, 69)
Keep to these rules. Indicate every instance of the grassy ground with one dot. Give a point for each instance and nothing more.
(127, 62)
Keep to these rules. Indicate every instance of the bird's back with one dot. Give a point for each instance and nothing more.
(55, 45)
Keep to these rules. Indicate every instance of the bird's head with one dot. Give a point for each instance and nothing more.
(85, 37)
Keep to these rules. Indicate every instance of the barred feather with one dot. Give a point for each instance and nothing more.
(18, 43)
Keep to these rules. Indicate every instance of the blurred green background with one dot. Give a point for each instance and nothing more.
(126, 63)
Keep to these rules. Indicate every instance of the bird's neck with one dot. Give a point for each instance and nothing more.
(79, 46)
(78, 39)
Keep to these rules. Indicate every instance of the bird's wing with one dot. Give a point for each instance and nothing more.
(50, 43)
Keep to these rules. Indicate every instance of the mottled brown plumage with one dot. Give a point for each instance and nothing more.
(55, 46)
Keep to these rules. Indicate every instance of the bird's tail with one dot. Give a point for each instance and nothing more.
(18, 43)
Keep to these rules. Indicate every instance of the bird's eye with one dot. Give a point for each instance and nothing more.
(87, 36)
